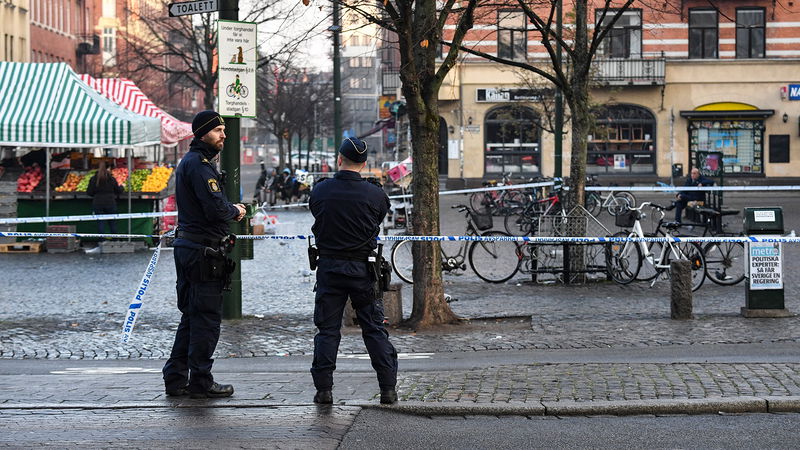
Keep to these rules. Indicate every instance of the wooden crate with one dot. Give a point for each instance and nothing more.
(61, 244)
(21, 247)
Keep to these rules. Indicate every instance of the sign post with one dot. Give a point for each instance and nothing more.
(196, 7)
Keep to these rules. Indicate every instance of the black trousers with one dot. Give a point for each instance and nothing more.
(336, 281)
(200, 302)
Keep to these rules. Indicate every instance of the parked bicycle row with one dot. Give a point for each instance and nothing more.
(623, 262)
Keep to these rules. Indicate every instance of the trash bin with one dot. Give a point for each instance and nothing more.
(677, 170)
(764, 287)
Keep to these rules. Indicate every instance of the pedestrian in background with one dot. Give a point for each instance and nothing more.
(348, 212)
(685, 198)
(203, 215)
(104, 190)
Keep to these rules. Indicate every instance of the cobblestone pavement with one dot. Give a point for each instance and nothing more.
(299, 427)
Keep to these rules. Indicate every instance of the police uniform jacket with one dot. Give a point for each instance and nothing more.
(203, 208)
(348, 212)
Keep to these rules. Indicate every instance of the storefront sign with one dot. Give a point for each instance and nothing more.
(237, 68)
(510, 95)
(473, 128)
(764, 264)
(794, 92)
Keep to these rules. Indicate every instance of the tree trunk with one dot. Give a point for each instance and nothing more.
(281, 157)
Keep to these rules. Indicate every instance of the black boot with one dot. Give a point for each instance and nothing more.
(324, 397)
(388, 396)
(215, 391)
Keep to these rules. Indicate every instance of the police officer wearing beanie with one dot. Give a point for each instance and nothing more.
(203, 215)
(348, 212)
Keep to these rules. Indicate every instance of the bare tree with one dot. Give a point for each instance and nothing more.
(419, 25)
(184, 48)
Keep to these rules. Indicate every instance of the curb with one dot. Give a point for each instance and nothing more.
(719, 405)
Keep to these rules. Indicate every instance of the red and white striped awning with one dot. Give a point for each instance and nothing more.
(126, 94)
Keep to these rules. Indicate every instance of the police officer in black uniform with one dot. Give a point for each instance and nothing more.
(203, 215)
(348, 212)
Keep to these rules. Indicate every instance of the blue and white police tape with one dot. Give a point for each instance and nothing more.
(135, 307)
(85, 217)
(547, 239)
(36, 234)
(493, 238)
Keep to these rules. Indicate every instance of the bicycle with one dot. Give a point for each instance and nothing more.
(492, 261)
(615, 202)
(497, 202)
(232, 92)
(725, 263)
(624, 260)
(524, 221)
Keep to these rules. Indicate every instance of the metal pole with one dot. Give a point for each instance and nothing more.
(232, 300)
(337, 82)
(559, 125)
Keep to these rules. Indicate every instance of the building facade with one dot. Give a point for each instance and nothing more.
(360, 85)
(701, 87)
(62, 31)
(16, 23)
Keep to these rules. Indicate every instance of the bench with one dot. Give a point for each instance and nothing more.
(710, 213)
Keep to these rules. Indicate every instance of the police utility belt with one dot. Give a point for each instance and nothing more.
(381, 270)
(218, 265)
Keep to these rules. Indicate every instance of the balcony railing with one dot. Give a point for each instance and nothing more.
(390, 81)
(630, 71)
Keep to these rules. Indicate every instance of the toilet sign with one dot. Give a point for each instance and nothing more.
(196, 7)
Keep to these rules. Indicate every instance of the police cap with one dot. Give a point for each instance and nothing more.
(354, 149)
(206, 121)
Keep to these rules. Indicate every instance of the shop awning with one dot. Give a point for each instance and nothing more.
(47, 105)
(741, 114)
(125, 93)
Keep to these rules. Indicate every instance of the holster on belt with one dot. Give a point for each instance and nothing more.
(219, 265)
(381, 272)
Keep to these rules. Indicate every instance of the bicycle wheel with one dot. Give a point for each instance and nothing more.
(623, 261)
(648, 271)
(520, 222)
(592, 204)
(403, 260)
(511, 200)
(243, 91)
(478, 201)
(627, 196)
(724, 262)
(495, 261)
(618, 204)
(692, 252)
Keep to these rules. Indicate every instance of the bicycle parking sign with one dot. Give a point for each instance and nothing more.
(237, 68)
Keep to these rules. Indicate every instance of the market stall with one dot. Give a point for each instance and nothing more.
(45, 106)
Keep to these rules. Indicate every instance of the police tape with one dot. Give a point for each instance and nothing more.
(86, 217)
(492, 238)
(135, 307)
(548, 239)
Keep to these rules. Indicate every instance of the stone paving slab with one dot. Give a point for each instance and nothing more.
(287, 427)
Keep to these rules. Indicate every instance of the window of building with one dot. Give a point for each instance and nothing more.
(512, 39)
(367, 62)
(354, 62)
(512, 141)
(740, 142)
(703, 33)
(750, 33)
(623, 141)
(624, 39)
(109, 40)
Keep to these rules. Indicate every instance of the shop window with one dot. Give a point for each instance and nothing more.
(624, 39)
(750, 33)
(512, 40)
(703, 33)
(623, 141)
(740, 141)
(512, 136)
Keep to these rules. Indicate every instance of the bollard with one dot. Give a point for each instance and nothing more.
(681, 290)
(392, 307)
